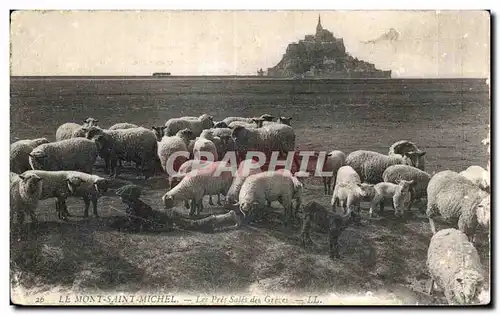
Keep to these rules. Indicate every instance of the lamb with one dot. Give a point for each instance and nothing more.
(73, 130)
(400, 194)
(171, 145)
(479, 176)
(62, 184)
(229, 120)
(76, 154)
(458, 201)
(25, 192)
(19, 154)
(395, 173)
(349, 191)
(208, 180)
(270, 186)
(123, 126)
(371, 165)
(273, 137)
(325, 221)
(135, 144)
(206, 143)
(404, 146)
(196, 126)
(454, 265)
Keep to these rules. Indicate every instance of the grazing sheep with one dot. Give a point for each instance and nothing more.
(208, 180)
(454, 265)
(206, 143)
(196, 126)
(123, 126)
(404, 146)
(273, 137)
(20, 151)
(74, 130)
(479, 176)
(136, 144)
(399, 193)
(325, 221)
(63, 184)
(393, 174)
(229, 120)
(25, 191)
(349, 191)
(171, 145)
(458, 201)
(185, 168)
(279, 186)
(76, 154)
(371, 165)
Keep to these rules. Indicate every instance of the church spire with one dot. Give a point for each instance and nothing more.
(319, 28)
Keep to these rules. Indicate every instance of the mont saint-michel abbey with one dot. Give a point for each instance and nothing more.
(323, 55)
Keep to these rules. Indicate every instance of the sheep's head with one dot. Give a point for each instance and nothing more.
(416, 159)
(207, 121)
(38, 159)
(366, 190)
(247, 208)
(168, 201)
(186, 134)
(159, 132)
(239, 134)
(466, 287)
(402, 196)
(267, 117)
(483, 211)
(220, 124)
(258, 121)
(30, 186)
(92, 131)
(90, 121)
(285, 120)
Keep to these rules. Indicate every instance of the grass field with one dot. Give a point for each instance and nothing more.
(446, 118)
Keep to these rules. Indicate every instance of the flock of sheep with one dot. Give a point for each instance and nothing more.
(41, 169)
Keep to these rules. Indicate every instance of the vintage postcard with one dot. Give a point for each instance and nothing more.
(249, 157)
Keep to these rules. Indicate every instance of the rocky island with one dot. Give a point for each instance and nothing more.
(322, 56)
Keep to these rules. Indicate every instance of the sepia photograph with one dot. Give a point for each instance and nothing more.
(250, 157)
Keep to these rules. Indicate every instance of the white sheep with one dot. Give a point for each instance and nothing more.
(270, 138)
(399, 193)
(246, 168)
(168, 146)
(25, 192)
(478, 175)
(349, 191)
(371, 165)
(73, 130)
(454, 265)
(395, 173)
(174, 125)
(135, 144)
(76, 154)
(404, 146)
(229, 120)
(260, 188)
(208, 180)
(206, 143)
(63, 184)
(123, 126)
(19, 154)
(458, 201)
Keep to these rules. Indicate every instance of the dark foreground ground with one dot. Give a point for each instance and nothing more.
(384, 256)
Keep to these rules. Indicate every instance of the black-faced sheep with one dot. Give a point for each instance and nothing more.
(404, 146)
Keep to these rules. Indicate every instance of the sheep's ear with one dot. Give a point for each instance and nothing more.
(154, 128)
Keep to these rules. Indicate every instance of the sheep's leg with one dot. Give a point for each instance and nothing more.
(431, 287)
(219, 203)
(433, 226)
(269, 204)
(381, 206)
(186, 204)
(114, 168)
(210, 201)
(304, 235)
(200, 205)
(193, 207)
(375, 201)
(86, 199)
(94, 206)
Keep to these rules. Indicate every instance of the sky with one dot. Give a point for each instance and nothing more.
(431, 43)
